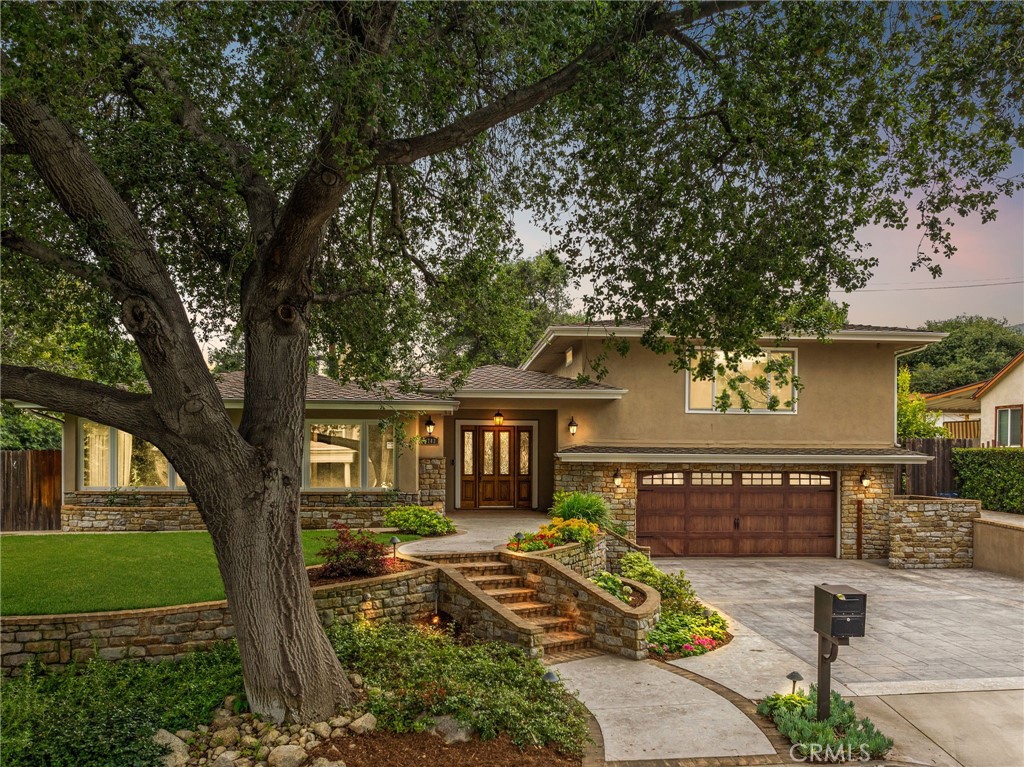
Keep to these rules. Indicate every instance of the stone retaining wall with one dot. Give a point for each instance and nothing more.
(433, 481)
(485, 617)
(170, 632)
(97, 518)
(178, 498)
(932, 532)
(576, 557)
(617, 547)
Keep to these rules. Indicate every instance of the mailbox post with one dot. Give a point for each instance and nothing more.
(839, 613)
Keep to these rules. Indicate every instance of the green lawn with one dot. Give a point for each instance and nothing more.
(43, 574)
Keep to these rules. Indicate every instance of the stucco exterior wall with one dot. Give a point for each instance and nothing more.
(1009, 390)
(847, 401)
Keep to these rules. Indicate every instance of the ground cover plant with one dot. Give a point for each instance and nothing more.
(613, 584)
(419, 520)
(686, 627)
(413, 673)
(840, 738)
(557, 532)
(86, 572)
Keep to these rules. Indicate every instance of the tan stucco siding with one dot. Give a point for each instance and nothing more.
(847, 401)
(1008, 390)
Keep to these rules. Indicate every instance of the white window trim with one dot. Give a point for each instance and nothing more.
(364, 455)
(1009, 410)
(172, 475)
(741, 411)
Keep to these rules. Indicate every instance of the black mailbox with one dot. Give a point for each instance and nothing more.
(839, 611)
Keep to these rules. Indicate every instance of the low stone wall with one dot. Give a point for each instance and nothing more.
(612, 625)
(433, 481)
(576, 557)
(96, 518)
(616, 547)
(932, 532)
(999, 547)
(170, 632)
(177, 499)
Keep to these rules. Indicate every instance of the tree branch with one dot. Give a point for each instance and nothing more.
(44, 254)
(399, 228)
(649, 23)
(126, 411)
(693, 47)
(332, 298)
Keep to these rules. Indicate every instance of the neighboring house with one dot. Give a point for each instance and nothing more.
(1001, 401)
(812, 480)
(961, 412)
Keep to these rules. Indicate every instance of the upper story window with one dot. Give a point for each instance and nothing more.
(349, 455)
(109, 458)
(702, 395)
(1008, 426)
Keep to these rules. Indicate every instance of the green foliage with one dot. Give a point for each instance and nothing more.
(25, 431)
(993, 475)
(558, 532)
(913, 419)
(100, 714)
(842, 733)
(977, 348)
(353, 553)
(686, 633)
(613, 584)
(419, 521)
(592, 507)
(412, 674)
(676, 591)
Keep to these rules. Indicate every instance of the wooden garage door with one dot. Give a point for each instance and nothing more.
(737, 513)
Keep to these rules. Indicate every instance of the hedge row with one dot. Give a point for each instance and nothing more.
(993, 475)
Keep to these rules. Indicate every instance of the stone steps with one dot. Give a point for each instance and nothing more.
(564, 641)
(484, 568)
(463, 558)
(551, 623)
(512, 595)
(486, 582)
(531, 609)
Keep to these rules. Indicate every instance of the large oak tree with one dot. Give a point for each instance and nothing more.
(347, 174)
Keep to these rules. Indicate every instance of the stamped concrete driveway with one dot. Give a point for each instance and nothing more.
(927, 630)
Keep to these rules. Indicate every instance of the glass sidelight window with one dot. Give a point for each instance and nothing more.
(349, 455)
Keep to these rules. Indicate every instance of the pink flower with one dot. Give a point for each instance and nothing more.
(687, 646)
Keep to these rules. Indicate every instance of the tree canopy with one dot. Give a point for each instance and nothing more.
(913, 418)
(976, 349)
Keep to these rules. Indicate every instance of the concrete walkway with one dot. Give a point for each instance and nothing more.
(647, 712)
(478, 531)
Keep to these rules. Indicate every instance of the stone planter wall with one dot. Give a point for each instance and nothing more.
(932, 532)
(612, 625)
(616, 547)
(576, 557)
(433, 481)
(170, 632)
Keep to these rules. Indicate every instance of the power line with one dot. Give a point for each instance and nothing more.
(935, 287)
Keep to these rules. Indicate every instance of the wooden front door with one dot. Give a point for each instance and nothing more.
(496, 467)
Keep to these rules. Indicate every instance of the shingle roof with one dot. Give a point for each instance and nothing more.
(502, 378)
(322, 388)
(824, 452)
(851, 327)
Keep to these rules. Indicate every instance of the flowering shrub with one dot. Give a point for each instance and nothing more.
(686, 634)
(419, 520)
(558, 532)
(676, 591)
(353, 552)
(535, 542)
(613, 585)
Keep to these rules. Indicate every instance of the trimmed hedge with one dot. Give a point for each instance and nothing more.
(993, 475)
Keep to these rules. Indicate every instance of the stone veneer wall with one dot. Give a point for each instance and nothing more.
(617, 547)
(433, 480)
(180, 499)
(170, 632)
(576, 557)
(877, 498)
(932, 532)
(612, 625)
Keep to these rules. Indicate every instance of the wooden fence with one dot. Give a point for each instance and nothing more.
(935, 477)
(31, 492)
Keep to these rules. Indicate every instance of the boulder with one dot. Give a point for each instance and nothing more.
(178, 755)
(339, 721)
(287, 756)
(323, 761)
(365, 723)
(226, 736)
(451, 730)
(226, 759)
(322, 730)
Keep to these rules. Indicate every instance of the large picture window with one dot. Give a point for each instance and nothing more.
(349, 455)
(702, 394)
(111, 458)
(1008, 426)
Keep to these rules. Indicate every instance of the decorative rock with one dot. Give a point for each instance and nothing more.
(270, 736)
(322, 730)
(365, 723)
(185, 735)
(287, 756)
(323, 761)
(339, 732)
(178, 755)
(451, 730)
(356, 679)
(228, 736)
(339, 721)
(226, 759)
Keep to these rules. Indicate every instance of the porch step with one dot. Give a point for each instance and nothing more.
(552, 623)
(532, 609)
(564, 641)
(463, 557)
(487, 582)
(483, 568)
(512, 594)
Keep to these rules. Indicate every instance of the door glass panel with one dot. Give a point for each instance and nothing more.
(504, 453)
(467, 451)
(488, 459)
(761, 478)
(524, 452)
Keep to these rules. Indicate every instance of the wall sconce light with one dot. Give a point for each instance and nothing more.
(430, 425)
(573, 426)
(499, 419)
(865, 479)
(617, 478)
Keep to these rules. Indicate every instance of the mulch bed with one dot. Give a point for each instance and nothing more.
(387, 748)
(391, 566)
(637, 598)
(676, 656)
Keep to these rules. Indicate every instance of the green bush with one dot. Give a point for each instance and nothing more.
(589, 506)
(686, 633)
(419, 521)
(841, 737)
(101, 714)
(613, 585)
(676, 591)
(412, 674)
(992, 475)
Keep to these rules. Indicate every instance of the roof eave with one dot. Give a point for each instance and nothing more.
(766, 458)
(598, 394)
(435, 406)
